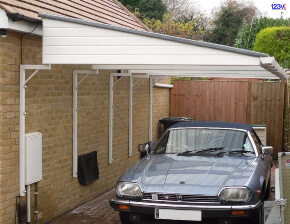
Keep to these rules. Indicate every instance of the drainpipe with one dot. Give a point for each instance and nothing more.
(28, 221)
(36, 203)
(160, 85)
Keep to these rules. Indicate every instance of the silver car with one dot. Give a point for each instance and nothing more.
(198, 171)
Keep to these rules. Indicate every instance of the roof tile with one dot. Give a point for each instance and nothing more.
(105, 11)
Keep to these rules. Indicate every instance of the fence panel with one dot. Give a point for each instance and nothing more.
(232, 101)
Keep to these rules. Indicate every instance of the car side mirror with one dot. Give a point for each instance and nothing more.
(143, 148)
(267, 150)
(146, 148)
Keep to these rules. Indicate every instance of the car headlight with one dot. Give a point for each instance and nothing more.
(241, 194)
(128, 189)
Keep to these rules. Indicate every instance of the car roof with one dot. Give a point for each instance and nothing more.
(209, 124)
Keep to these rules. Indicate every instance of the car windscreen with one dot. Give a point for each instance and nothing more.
(178, 141)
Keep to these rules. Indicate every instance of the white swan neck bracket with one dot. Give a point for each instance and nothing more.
(22, 115)
(76, 85)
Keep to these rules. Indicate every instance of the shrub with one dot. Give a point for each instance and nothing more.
(247, 35)
(275, 41)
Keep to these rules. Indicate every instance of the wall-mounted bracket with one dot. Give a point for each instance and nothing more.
(115, 83)
(151, 84)
(131, 88)
(111, 109)
(30, 77)
(135, 83)
(22, 111)
(76, 84)
(140, 78)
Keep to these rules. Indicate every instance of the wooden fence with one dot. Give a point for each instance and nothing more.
(233, 101)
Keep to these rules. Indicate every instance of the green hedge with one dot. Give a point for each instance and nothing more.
(247, 35)
(275, 41)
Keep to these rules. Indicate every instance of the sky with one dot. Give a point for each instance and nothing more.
(263, 5)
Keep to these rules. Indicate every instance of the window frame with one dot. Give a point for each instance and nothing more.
(214, 128)
(254, 144)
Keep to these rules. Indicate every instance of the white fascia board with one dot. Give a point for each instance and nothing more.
(37, 67)
(152, 59)
(233, 76)
(19, 26)
(138, 68)
(270, 64)
(3, 19)
(204, 72)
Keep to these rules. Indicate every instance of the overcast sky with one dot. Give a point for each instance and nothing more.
(263, 5)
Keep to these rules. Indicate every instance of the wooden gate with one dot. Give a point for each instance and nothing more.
(233, 101)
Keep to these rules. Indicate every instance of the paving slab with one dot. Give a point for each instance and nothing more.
(97, 210)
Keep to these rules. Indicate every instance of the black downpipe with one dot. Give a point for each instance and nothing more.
(19, 17)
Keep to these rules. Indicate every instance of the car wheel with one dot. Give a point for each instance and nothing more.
(258, 218)
(124, 217)
(268, 190)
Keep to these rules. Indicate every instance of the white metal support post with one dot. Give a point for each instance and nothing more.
(28, 205)
(151, 80)
(75, 113)
(132, 85)
(111, 108)
(277, 207)
(282, 202)
(22, 113)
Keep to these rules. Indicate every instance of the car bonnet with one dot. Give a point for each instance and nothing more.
(192, 174)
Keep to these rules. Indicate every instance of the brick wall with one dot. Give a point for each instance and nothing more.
(160, 102)
(1, 132)
(9, 126)
(49, 111)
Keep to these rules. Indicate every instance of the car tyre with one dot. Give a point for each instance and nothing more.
(124, 217)
(258, 218)
(268, 190)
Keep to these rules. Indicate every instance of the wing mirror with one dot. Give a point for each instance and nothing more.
(143, 148)
(146, 148)
(267, 150)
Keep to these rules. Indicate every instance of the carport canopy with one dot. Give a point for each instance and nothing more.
(74, 41)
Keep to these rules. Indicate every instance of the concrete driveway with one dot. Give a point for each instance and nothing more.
(97, 210)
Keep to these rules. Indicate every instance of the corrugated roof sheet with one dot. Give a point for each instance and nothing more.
(103, 11)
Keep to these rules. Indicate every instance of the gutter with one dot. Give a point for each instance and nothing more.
(20, 17)
(20, 23)
(272, 66)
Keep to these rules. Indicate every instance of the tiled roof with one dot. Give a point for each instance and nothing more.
(104, 11)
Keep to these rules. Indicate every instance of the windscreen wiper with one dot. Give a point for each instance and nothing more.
(185, 153)
(193, 152)
(241, 151)
(210, 149)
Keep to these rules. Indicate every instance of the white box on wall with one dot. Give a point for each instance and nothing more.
(33, 146)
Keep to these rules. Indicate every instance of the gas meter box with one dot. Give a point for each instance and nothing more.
(33, 148)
